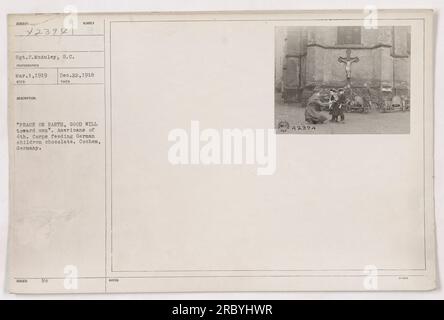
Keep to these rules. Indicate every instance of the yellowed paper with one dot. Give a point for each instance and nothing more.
(254, 151)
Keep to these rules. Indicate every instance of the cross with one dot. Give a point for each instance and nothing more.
(348, 61)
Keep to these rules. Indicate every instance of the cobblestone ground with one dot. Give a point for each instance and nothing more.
(360, 123)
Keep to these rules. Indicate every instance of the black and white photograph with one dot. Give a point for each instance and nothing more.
(342, 79)
(197, 153)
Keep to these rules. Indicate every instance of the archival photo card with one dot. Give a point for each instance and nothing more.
(342, 79)
(223, 151)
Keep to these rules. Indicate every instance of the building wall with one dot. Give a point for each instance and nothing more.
(324, 69)
(312, 54)
(279, 52)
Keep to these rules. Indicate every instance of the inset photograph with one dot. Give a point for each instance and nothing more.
(342, 79)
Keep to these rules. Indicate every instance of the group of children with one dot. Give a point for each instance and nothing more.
(336, 105)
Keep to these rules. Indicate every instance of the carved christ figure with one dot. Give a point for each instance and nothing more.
(348, 62)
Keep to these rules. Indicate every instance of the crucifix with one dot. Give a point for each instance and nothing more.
(348, 62)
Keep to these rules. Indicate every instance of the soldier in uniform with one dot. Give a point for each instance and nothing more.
(313, 112)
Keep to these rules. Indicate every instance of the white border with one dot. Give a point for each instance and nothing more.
(27, 6)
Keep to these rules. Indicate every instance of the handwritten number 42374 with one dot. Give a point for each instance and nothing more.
(46, 31)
